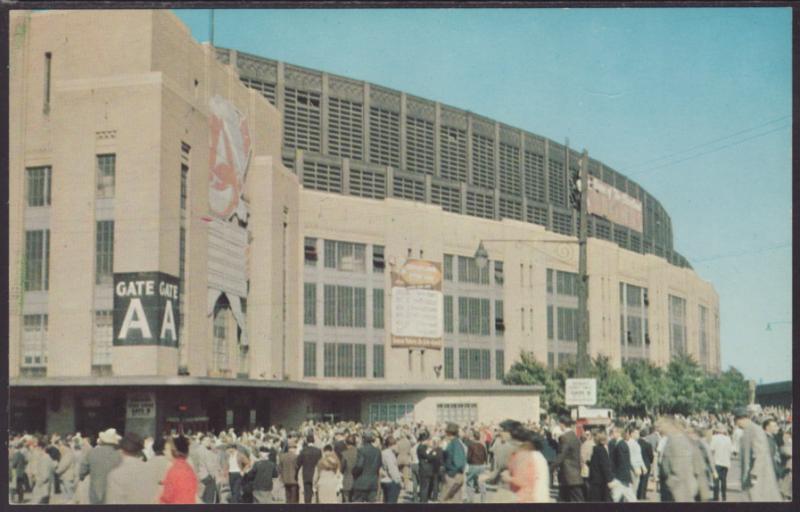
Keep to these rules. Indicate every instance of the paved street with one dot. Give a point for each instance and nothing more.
(734, 490)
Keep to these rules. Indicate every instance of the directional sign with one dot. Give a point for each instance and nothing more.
(581, 392)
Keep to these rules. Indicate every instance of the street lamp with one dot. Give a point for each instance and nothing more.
(579, 200)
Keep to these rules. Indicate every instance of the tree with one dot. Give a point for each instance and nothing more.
(529, 371)
(649, 386)
(686, 386)
(615, 389)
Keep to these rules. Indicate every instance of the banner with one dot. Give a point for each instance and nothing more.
(417, 305)
(610, 203)
(141, 405)
(146, 309)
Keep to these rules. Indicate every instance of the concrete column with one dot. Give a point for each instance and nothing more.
(324, 114)
(280, 87)
(469, 148)
(437, 149)
(389, 185)
(365, 119)
(346, 176)
(428, 188)
(403, 142)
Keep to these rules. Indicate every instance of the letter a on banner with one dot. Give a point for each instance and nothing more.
(135, 319)
(169, 321)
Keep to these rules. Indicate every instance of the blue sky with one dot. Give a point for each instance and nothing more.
(694, 104)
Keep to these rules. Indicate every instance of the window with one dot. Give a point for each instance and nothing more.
(34, 341)
(677, 321)
(106, 169)
(48, 61)
(104, 252)
(37, 260)
(473, 316)
(549, 280)
(220, 349)
(470, 272)
(329, 359)
(530, 276)
(345, 360)
(448, 363)
(310, 250)
(635, 331)
(377, 308)
(521, 275)
(549, 322)
(474, 364)
(184, 185)
(329, 304)
(550, 360)
(522, 319)
(378, 261)
(703, 336)
(38, 185)
(378, 361)
(345, 256)
(309, 359)
(567, 324)
(460, 414)
(448, 267)
(360, 361)
(103, 337)
(360, 307)
(448, 313)
(391, 412)
(499, 364)
(344, 306)
(499, 322)
(310, 303)
(566, 283)
(498, 272)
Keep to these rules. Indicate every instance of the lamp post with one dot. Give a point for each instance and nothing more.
(577, 196)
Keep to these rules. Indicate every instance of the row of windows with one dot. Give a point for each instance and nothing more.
(473, 364)
(38, 180)
(344, 360)
(566, 321)
(564, 283)
(344, 306)
(393, 412)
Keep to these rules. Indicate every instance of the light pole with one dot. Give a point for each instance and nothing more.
(577, 196)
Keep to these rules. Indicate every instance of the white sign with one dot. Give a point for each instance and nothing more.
(606, 201)
(581, 392)
(141, 405)
(417, 313)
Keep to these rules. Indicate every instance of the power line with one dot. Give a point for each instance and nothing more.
(743, 253)
(668, 164)
(698, 146)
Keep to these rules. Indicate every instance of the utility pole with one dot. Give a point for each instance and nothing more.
(583, 276)
(211, 28)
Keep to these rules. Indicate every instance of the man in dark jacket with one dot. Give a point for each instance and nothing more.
(265, 470)
(349, 457)
(648, 455)
(623, 471)
(455, 460)
(568, 463)
(287, 467)
(365, 472)
(436, 457)
(600, 471)
(426, 469)
(307, 462)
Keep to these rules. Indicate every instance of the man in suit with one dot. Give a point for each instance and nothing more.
(568, 463)
(758, 469)
(349, 456)
(682, 470)
(426, 469)
(287, 469)
(648, 455)
(265, 470)
(307, 461)
(124, 483)
(403, 448)
(98, 464)
(365, 472)
(771, 429)
(623, 471)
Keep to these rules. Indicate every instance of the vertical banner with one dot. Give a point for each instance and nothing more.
(146, 309)
(417, 305)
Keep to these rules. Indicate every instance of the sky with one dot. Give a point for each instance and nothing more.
(693, 104)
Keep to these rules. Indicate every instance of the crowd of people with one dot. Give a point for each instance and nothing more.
(685, 459)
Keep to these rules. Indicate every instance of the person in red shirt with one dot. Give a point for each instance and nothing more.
(180, 484)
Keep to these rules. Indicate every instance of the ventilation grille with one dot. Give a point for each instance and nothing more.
(384, 137)
(448, 198)
(482, 161)
(480, 204)
(509, 169)
(408, 188)
(558, 186)
(301, 114)
(453, 153)
(345, 128)
(419, 145)
(323, 177)
(367, 183)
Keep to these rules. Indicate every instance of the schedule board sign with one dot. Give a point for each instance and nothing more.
(146, 309)
(580, 392)
(417, 305)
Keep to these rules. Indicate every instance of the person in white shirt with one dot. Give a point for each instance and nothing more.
(637, 462)
(721, 449)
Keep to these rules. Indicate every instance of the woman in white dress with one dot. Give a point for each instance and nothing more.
(528, 473)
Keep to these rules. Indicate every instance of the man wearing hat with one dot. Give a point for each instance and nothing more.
(125, 486)
(758, 474)
(455, 461)
(98, 464)
(568, 462)
(502, 449)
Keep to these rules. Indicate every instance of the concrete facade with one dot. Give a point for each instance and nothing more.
(142, 94)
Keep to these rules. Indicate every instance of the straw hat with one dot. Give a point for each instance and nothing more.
(109, 436)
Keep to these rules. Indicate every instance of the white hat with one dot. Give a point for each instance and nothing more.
(110, 436)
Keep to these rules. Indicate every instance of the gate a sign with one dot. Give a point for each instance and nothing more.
(146, 309)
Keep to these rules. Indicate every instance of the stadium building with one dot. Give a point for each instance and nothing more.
(212, 238)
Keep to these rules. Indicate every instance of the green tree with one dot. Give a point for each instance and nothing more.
(686, 386)
(649, 386)
(528, 371)
(615, 390)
